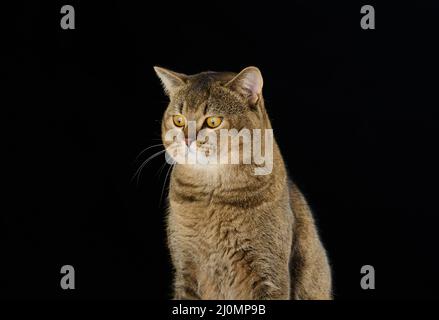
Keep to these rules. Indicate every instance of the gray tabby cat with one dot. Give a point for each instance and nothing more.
(233, 234)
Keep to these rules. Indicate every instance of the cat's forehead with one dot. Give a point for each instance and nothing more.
(206, 91)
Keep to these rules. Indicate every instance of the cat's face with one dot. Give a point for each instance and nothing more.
(206, 105)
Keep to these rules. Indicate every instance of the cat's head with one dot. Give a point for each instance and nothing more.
(208, 103)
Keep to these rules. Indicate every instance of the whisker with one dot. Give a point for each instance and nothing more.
(161, 169)
(164, 183)
(138, 171)
(153, 146)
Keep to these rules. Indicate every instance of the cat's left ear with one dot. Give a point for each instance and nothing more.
(171, 80)
(249, 83)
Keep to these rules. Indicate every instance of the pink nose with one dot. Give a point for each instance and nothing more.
(188, 141)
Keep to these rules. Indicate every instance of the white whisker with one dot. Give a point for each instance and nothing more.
(153, 146)
(164, 183)
(138, 171)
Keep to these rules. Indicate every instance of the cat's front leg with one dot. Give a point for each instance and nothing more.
(269, 290)
(185, 285)
(271, 283)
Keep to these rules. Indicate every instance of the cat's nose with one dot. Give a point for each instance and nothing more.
(188, 141)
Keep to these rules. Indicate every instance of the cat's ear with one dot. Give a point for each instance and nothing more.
(171, 80)
(248, 83)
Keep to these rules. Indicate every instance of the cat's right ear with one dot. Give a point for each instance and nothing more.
(248, 83)
(170, 80)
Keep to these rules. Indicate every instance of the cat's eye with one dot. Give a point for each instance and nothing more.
(214, 122)
(179, 120)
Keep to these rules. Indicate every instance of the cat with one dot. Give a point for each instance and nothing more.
(233, 234)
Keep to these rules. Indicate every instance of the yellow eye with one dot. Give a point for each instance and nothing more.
(214, 122)
(179, 120)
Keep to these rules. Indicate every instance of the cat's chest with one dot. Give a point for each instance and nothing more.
(209, 229)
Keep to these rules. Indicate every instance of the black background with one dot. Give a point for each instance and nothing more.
(354, 111)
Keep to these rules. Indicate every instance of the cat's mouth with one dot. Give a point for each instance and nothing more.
(195, 153)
